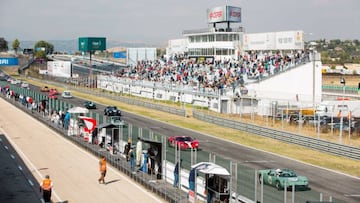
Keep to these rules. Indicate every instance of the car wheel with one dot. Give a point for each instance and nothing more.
(277, 185)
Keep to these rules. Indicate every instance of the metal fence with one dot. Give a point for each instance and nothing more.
(244, 187)
(312, 143)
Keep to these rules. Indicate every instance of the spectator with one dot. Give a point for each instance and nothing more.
(176, 173)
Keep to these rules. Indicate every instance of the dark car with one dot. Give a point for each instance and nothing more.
(112, 111)
(90, 105)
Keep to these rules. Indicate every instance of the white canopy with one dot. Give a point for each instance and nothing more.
(78, 109)
(210, 168)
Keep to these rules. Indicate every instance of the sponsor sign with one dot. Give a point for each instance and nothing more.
(287, 40)
(9, 61)
(224, 14)
(191, 196)
(119, 55)
(59, 68)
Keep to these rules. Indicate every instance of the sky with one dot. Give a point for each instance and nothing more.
(157, 21)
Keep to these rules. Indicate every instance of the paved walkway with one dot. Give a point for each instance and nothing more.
(73, 170)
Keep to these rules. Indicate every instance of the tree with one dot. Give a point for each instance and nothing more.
(40, 55)
(16, 45)
(44, 46)
(3, 45)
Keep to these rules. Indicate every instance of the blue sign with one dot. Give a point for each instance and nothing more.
(9, 61)
(119, 55)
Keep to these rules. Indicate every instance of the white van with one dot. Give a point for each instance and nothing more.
(66, 94)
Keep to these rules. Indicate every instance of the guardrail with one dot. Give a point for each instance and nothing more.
(340, 89)
(293, 138)
(160, 188)
(164, 108)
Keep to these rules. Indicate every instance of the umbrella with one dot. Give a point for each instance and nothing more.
(78, 109)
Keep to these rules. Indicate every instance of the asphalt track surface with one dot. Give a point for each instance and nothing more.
(331, 183)
(30, 150)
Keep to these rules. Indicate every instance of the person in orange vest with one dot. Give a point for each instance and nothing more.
(102, 164)
(45, 187)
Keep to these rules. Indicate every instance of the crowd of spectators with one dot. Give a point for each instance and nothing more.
(230, 73)
(59, 117)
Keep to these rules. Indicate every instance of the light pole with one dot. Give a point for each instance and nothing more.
(342, 81)
(313, 78)
(312, 47)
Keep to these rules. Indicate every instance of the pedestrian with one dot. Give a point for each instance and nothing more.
(132, 159)
(45, 187)
(34, 106)
(192, 179)
(127, 149)
(176, 173)
(102, 165)
(67, 120)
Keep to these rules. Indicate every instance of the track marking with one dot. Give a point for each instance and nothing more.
(22, 154)
(86, 153)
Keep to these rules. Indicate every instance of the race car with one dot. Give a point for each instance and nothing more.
(112, 111)
(53, 91)
(281, 178)
(44, 89)
(184, 142)
(89, 105)
(52, 95)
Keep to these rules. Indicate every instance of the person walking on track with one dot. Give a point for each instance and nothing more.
(102, 164)
(45, 187)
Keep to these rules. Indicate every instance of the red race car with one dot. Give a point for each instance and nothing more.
(184, 142)
(53, 91)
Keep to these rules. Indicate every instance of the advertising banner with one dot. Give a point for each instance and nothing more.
(233, 14)
(59, 68)
(259, 41)
(217, 14)
(224, 14)
(9, 61)
(119, 55)
(290, 40)
(287, 40)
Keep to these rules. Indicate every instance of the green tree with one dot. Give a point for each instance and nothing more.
(47, 47)
(356, 42)
(40, 54)
(3, 45)
(16, 45)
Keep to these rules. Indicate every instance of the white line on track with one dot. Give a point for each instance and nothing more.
(22, 154)
(83, 151)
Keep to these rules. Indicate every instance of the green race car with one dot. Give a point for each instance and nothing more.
(281, 178)
(90, 105)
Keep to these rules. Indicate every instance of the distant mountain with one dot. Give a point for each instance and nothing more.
(71, 46)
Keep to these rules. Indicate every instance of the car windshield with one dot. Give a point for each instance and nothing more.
(288, 173)
(111, 108)
(184, 139)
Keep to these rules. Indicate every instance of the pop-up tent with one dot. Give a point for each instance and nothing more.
(210, 168)
(217, 179)
(78, 109)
